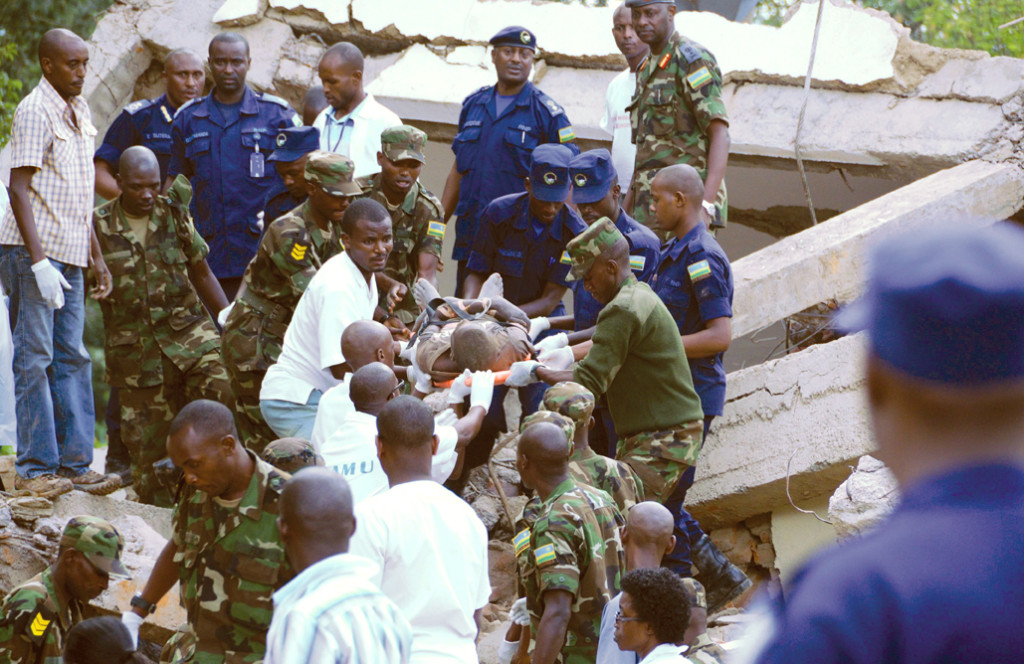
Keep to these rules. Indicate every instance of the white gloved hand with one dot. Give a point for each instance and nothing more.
(446, 418)
(409, 352)
(522, 373)
(133, 622)
(51, 282)
(560, 340)
(557, 359)
(419, 379)
(482, 390)
(518, 613)
(222, 317)
(459, 390)
(506, 651)
(538, 325)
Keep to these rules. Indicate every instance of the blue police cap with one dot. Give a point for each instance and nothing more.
(549, 172)
(515, 35)
(294, 143)
(592, 174)
(946, 304)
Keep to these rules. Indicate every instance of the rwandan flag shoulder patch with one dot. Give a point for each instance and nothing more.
(545, 555)
(637, 263)
(566, 134)
(565, 259)
(699, 78)
(521, 541)
(435, 229)
(699, 270)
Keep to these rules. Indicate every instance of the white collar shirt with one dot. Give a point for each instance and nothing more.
(360, 140)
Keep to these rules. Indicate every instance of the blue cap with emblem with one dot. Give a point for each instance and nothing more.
(294, 143)
(946, 304)
(549, 172)
(515, 35)
(592, 175)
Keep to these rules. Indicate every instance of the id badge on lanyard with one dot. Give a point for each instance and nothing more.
(257, 163)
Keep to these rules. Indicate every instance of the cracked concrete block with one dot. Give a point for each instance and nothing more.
(825, 262)
(335, 12)
(239, 13)
(988, 80)
(117, 58)
(866, 497)
(76, 503)
(415, 18)
(805, 411)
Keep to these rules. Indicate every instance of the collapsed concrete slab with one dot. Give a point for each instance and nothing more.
(804, 411)
(826, 262)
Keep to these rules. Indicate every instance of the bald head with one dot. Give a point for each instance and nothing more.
(316, 515)
(681, 178)
(543, 445)
(138, 159)
(623, 12)
(406, 422)
(345, 54)
(180, 57)
(207, 419)
(228, 38)
(58, 41)
(650, 522)
(366, 341)
(371, 386)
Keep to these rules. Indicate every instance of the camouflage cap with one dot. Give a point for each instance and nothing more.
(695, 593)
(403, 142)
(560, 421)
(291, 454)
(587, 246)
(570, 399)
(99, 541)
(334, 173)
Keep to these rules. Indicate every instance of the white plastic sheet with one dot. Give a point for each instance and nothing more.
(7, 417)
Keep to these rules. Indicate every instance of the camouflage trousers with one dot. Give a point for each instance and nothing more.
(660, 458)
(250, 344)
(147, 412)
(642, 203)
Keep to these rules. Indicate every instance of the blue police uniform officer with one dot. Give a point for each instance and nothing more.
(291, 145)
(940, 579)
(145, 122)
(592, 175)
(529, 254)
(495, 139)
(223, 152)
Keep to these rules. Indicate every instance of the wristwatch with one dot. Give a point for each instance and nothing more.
(142, 603)
(709, 208)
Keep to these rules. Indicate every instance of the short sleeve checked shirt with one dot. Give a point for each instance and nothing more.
(44, 137)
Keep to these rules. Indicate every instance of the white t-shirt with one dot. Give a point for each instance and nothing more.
(616, 122)
(351, 451)
(432, 550)
(335, 405)
(362, 143)
(337, 296)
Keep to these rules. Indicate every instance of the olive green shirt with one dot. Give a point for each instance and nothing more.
(638, 360)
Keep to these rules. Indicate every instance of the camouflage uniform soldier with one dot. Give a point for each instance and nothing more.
(613, 477)
(162, 348)
(416, 214)
(225, 549)
(571, 556)
(291, 455)
(702, 649)
(291, 251)
(36, 616)
(677, 113)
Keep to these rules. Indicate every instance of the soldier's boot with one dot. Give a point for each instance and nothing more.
(723, 581)
(44, 486)
(96, 484)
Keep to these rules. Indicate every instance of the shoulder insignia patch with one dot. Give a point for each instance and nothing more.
(39, 625)
(136, 106)
(699, 78)
(521, 541)
(188, 104)
(566, 134)
(298, 252)
(689, 52)
(552, 106)
(565, 259)
(435, 229)
(637, 263)
(699, 270)
(545, 555)
(266, 96)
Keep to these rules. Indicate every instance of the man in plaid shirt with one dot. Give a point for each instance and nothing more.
(45, 242)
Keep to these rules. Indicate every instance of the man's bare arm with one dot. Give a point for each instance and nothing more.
(207, 286)
(547, 301)
(719, 143)
(163, 576)
(450, 195)
(21, 207)
(552, 627)
(713, 339)
(106, 183)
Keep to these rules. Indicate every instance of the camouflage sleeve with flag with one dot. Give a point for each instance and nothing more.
(231, 562)
(30, 629)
